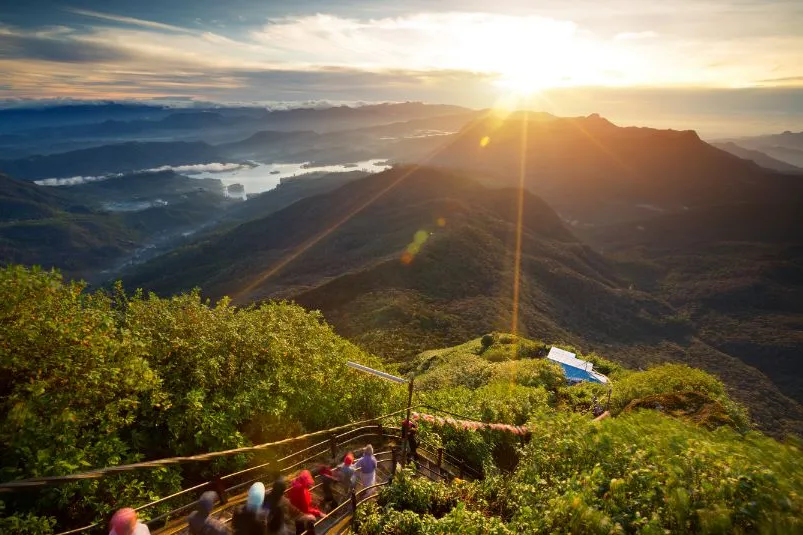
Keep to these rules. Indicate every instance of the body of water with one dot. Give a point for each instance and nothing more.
(265, 177)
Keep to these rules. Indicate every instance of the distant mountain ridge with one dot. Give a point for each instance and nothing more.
(787, 146)
(764, 160)
(594, 172)
(294, 135)
(117, 158)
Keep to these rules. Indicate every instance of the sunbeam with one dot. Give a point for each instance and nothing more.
(242, 295)
(519, 224)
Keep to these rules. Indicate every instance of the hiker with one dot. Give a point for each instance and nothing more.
(276, 505)
(300, 498)
(250, 519)
(596, 408)
(199, 521)
(327, 481)
(410, 429)
(367, 466)
(124, 522)
(347, 473)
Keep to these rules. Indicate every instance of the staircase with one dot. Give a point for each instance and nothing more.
(433, 463)
(386, 442)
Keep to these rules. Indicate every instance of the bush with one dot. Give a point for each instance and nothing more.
(469, 371)
(487, 341)
(417, 494)
(675, 378)
(89, 380)
(646, 473)
(637, 473)
(539, 372)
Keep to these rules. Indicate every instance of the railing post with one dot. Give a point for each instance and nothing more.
(405, 429)
(381, 431)
(440, 461)
(393, 460)
(333, 448)
(462, 470)
(353, 510)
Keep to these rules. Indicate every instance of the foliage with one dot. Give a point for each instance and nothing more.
(418, 494)
(675, 378)
(487, 340)
(638, 473)
(94, 379)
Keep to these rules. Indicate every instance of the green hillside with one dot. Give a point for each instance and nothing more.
(676, 456)
(346, 253)
(734, 272)
(88, 228)
(94, 379)
(105, 378)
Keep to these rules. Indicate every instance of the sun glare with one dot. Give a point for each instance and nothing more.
(526, 54)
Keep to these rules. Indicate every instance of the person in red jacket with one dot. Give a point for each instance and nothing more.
(300, 498)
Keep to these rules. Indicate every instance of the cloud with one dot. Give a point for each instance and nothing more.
(797, 80)
(75, 180)
(631, 36)
(131, 20)
(449, 56)
(199, 168)
(14, 45)
(482, 42)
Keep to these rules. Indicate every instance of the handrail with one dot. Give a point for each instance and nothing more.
(432, 476)
(276, 464)
(348, 429)
(157, 463)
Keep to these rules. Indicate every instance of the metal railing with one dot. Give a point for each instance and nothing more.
(233, 483)
(349, 507)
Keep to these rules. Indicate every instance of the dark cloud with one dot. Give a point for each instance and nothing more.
(787, 79)
(16, 46)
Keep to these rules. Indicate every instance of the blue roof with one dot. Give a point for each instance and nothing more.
(575, 369)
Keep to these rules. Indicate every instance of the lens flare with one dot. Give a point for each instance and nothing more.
(412, 249)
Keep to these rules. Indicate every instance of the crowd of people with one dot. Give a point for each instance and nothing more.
(269, 513)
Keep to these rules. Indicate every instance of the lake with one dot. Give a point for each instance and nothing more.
(264, 177)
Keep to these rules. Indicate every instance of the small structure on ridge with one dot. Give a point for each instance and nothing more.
(575, 370)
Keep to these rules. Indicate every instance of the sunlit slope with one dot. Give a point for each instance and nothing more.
(592, 171)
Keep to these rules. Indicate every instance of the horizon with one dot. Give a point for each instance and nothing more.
(721, 67)
(189, 104)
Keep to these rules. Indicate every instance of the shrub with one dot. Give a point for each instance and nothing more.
(637, 473)
(469, 371)
(674, 378)
(487, 341)
(539, 372)
(93, 379)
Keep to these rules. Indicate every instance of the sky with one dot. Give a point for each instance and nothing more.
(714, 63)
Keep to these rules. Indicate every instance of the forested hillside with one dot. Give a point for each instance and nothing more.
(417, 257)
(90, 380)
(118, 378)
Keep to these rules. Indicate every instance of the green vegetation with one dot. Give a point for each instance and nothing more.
(98, 379)
(638, 472)
(459, 284)
(90, 380)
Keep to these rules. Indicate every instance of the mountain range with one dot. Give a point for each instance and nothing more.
(416, 256)
(644, 245)
(787, 146)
